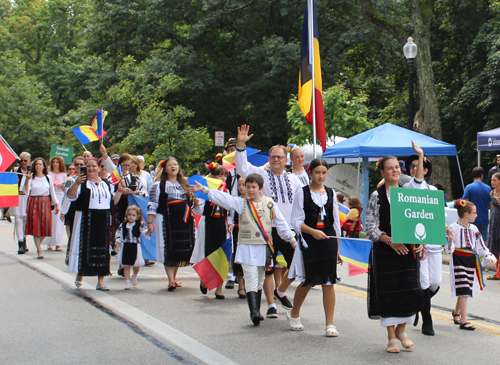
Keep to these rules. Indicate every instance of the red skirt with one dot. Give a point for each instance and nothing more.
(39, 217)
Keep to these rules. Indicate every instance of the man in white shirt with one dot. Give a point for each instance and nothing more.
(281, 186)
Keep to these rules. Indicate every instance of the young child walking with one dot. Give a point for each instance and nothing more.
(128, 238)
(255, 245)
(465, 267)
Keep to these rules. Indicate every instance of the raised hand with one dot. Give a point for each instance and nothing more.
(102, 149)
(417, 149)
(243, 136)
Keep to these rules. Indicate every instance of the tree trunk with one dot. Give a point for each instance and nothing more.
(427, 119)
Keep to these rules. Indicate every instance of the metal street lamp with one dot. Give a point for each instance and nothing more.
(410, 50)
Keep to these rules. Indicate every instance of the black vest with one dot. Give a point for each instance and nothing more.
(136, 230)
(209, 210)
(123, 202)
(312, 210)
(82, 203)
(385, 211)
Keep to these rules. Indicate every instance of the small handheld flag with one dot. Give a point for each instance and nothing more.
(213, 269)
(85, 134)
(98, 123)
(9, 191)
(7, 155)
(116, 175)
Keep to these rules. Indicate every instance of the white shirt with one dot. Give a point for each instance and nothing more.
(281, 189)
(100, 195)
(38, 186)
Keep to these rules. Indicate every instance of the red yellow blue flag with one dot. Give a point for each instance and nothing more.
(98, 123)
(343, 212)
(213, 269)
(309, 58)
(85, 134)
(116, 175)
(9, 191)
(356, 252)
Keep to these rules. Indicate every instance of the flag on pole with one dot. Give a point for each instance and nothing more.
(85, 134)
(309, 58)
(7, 155)
(209, 182)
(343, 212)
(9, 191)
(98, 123)
(116, 175)
(356, 252)
(213, 269)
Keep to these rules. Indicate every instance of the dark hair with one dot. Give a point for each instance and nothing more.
(45, 169)
(219, 170)
(461, 209)
(340, 197)
(317, 162)
(62, 166)
(477, 172)
(381, 162)
(427, 165)
(255, 178)
(439, 187)
(124, 157)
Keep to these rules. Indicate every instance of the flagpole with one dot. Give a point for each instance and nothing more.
(310, 13)
(102, 138)
(83, 146)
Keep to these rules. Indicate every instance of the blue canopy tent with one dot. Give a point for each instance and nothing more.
(384, 140)
(487, 141)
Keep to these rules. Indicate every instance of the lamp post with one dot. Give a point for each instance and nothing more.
(410, 50)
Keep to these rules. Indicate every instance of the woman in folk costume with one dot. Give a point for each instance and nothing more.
(316, 216)
(257, 214)
(91, 198)
(465, 266)
(298, 158)
(170, 208)
(212, 227)
(393, 288)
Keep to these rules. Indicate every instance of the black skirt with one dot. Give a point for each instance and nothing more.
(464, 270)
(215, 234)
(320, 259)
(393, 283)
(129, 253)
(237, 269)
(94, 243)
(178, 236)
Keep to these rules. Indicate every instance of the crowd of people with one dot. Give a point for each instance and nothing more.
(268, 211)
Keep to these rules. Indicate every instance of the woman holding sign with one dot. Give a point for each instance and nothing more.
(394, 290)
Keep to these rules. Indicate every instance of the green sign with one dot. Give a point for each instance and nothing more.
(65, 152)
(417, 216)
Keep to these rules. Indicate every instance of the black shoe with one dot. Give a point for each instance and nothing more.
(114, 253)
(149, 263)
(217, 296)
(230, 284)
(202, 289)
(255, 315)
(9, 219)
(272, 313)
(284, 301)
(427, 328)
(22, 249)
(120, 271)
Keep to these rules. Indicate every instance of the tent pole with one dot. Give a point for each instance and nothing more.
(461, 177)
(365, 189)
(357, 179)
(478, 158)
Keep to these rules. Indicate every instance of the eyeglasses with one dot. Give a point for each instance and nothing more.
(79, 164)
(412, 166)
(172, 165)
(275, 157)
(102, 166)
(126, 165)
(25, 160)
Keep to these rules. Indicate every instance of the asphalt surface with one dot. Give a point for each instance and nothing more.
(44, 319)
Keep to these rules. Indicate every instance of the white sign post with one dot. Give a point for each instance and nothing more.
(219, 139)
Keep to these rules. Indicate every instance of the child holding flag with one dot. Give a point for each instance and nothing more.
(465, 248)
(255, 246)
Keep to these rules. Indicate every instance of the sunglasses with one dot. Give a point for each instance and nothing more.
(25, 160)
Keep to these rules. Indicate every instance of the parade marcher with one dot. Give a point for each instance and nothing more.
(91, 198)
(297, 157)
(495, 169)
(170, 204)
(212, 227)
(87, 155)
(147, 180)
(128, 238)
(233, 222)
(41, 195)
(431, 258)
(494, 229)
(478, 193)
(280, 186)
(394, 291)
(257, 214)
(103, 173)
(19, 212)
(353, 225)
(315, 216)
(58, 175)
(465, 248)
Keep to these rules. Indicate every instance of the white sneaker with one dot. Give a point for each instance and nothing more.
(127, 285)
(134, 280)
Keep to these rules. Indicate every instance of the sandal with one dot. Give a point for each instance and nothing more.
(49, 248)
(493, 277)
(172, 286)
(392, 346)
(331, 331)
(470, 327)
(456, 315)
(58, 248)
(405, 341)
(178, 284)
(242, 296)
(294, 323)
(78, 283)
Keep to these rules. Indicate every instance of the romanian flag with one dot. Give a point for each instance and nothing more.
(343, 212)
(356, 252)
(9, 191)
(213, 269)
(309, 58)
(228, 160)
(7, 155)
(116, 175)
(98, 123)
(209, 182)
(85, 134)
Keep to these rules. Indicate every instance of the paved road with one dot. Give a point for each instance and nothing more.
(46, 320)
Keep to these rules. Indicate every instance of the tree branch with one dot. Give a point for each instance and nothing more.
(369, 13)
